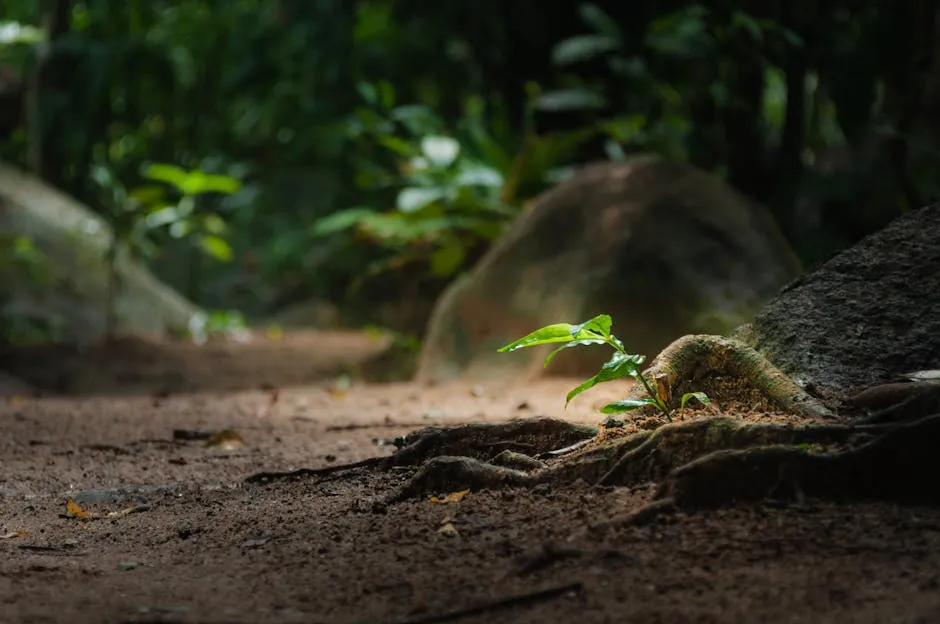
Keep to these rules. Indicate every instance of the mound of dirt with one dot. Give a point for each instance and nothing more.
(664, 248)
(866, 315)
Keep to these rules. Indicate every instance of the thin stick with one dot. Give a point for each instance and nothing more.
(267, 477)
(502, 603)
(374, 425)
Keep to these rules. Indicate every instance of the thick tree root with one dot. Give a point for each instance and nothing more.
(450, 474)
(691, 357)
(900, 465)
(650, 457)
(896, 402)
(647, 456)
(533, 437)
(697, 463)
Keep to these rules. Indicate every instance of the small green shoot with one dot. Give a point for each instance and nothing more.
(621, 364)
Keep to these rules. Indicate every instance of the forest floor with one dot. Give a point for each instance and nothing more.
(188, 540)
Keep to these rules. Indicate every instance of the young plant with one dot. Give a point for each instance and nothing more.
(621, 364)
(136, 215)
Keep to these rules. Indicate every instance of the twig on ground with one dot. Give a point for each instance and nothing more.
(502, 603)
(571, 448)
(375, 425)
(550, 553)
(267, 477)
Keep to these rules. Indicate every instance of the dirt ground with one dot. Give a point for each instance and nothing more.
(127, 432)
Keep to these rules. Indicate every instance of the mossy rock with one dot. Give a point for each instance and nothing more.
(64, 292)
(664, 248)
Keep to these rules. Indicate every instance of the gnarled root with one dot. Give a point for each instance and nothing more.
(693, 356)
(449, 474)
(672, 445)
(698, 463)
(642, 457)
(486, 440)
(898, 465)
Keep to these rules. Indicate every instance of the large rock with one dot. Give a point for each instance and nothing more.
(65, 292)
(664, 248)
(866, 315)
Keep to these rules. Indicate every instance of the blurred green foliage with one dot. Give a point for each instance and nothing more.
(380, 147)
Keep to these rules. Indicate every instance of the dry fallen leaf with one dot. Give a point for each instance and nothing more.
(74, 510)
(453, 497)
(13, 534)
(340, 386)
(226, 439)
(17, 399)
(448, 529)
(123, 512)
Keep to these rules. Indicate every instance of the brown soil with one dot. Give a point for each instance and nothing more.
(201, 545)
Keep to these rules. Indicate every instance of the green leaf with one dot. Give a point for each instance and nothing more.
(171, 174)
(592, 330)
(701, 397)
(550, 334)
(366, 91)
(181, 228)
(216, 247)
(596, 18)
(148, 194)
(214, 224)
(397, 145)
(198, 183)
(446, 260)
(162, 217)
(569, 100)
(600, 324)
(339, 221)
(582, 48)
(744, 21)
(13, 33)
(479, 175)
(619, 366)
(573, 343)
(194, 182)
(441, 151)
(414, 198)
(626, 405)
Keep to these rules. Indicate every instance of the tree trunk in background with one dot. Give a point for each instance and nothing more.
(46, 79)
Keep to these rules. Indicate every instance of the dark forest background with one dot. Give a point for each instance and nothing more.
(258, 153)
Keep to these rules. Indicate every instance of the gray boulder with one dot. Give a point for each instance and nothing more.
(65, 290)
(866, 316)
(664, 248)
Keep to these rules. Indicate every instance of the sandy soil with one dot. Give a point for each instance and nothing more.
(201, 545)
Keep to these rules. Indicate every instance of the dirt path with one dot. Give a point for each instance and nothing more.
(203, 546)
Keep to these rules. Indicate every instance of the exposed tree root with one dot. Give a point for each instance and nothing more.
(650, 457)
(647, 456)
(900, 465)
(897, 402)
(448, 474)
(698, 463)
(483, 441)
(691, 357)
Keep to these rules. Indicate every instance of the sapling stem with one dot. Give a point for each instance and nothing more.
(654, 396)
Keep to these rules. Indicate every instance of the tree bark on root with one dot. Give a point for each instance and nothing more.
(693, 356)
(647, 456)
(699, 463)
(486, 440)
(899, 465)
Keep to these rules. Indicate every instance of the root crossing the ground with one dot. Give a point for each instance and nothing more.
(697, 463)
